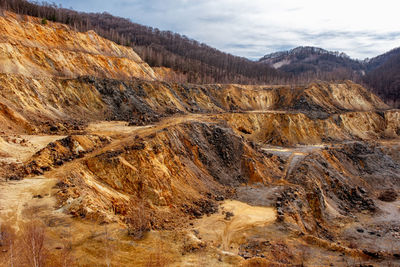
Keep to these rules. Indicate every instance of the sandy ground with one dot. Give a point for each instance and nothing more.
(17, 197)
(113, 127)
(227, 234)
(19, 148)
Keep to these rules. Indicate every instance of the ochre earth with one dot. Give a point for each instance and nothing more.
(227, 175)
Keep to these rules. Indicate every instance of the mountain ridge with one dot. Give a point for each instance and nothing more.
(302, 49)
(195, 62)
(311, 50)
(368, 63)
(377, 73)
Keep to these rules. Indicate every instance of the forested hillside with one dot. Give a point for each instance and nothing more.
(313, 62)
(199, 62)
(380, 74)
(194, 62)
(384, 77)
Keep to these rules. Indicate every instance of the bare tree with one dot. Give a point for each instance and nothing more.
(33, 250)
(198, 62)
(7, 243)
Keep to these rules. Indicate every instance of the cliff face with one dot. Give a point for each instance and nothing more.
(36, 101)
(87, 127)
(288, 129)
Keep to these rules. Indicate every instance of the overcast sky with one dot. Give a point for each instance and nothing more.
(253, 28)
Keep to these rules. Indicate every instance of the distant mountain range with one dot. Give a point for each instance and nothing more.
(381, 74)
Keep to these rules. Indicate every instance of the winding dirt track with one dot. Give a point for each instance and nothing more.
(16, 197)
(18, 194)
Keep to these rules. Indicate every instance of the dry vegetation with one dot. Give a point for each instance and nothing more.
(137, 218)
(185, 60)
(29, 246)
(158, 257)
(150, 173)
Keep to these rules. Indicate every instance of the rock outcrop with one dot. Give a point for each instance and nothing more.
(93, 116)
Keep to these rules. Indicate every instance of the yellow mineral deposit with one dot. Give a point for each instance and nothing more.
(214, 175)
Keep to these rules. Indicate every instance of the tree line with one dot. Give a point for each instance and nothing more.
(199, 63)
(385, 80)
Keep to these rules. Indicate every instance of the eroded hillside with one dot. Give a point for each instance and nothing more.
(100, 151)
(41, 49)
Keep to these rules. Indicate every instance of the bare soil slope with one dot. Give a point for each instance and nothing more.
(222, 175)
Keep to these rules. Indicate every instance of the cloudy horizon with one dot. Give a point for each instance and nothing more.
(255, 28)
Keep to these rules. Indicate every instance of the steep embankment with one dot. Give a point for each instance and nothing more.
(290, 129)
(36, 49)
(37, 101)
(111, 141)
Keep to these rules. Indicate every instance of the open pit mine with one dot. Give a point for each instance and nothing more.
(103, 163)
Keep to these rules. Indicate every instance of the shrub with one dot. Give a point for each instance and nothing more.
(137, 218)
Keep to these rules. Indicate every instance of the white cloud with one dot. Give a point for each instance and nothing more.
(253, 28)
